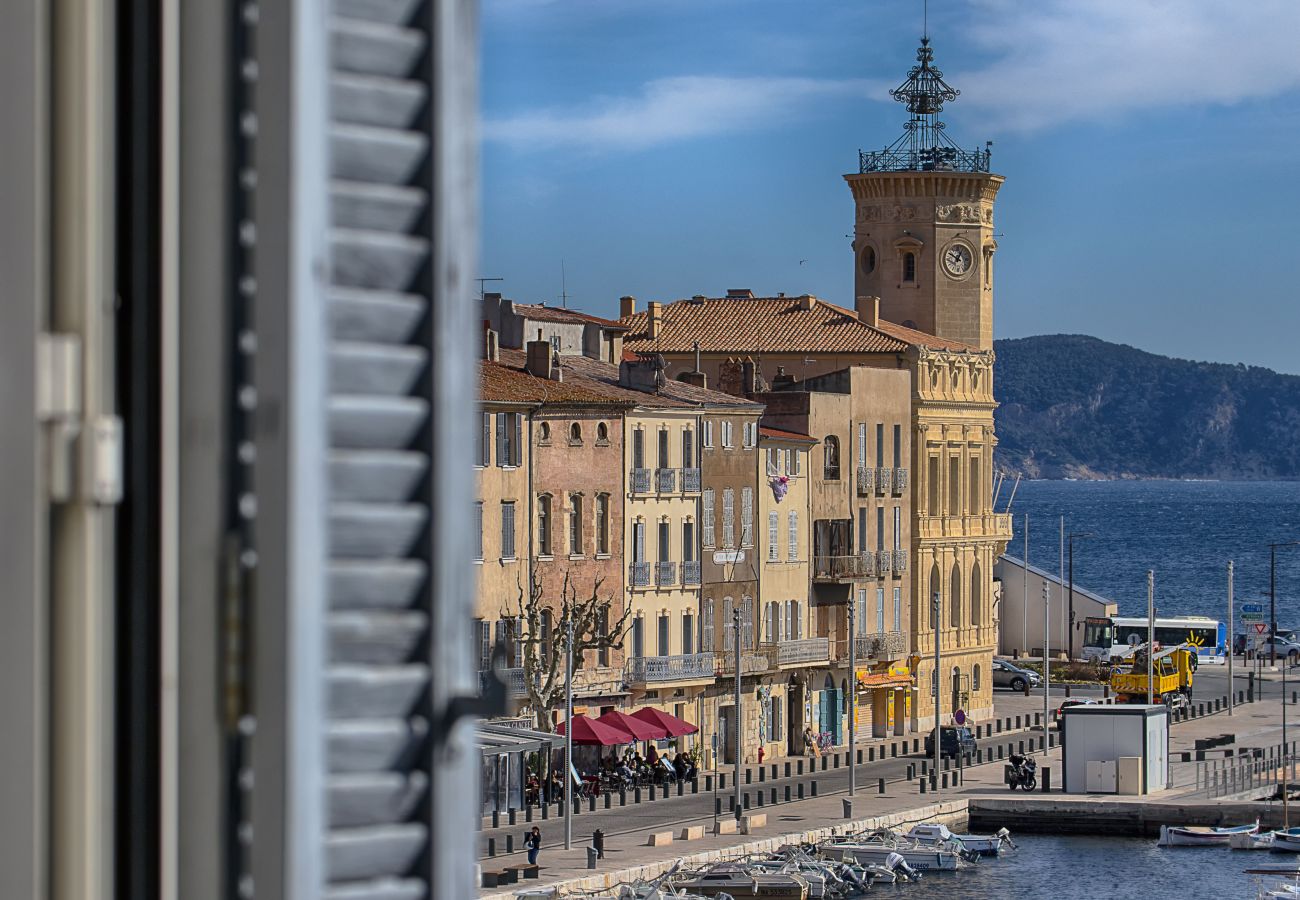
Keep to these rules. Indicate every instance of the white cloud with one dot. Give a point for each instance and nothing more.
(672, 109)
(1056, 61)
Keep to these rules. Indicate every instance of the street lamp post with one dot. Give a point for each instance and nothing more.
(853, 700)
(934, 612)
(735, 621)
(1081, 535)
(568, 737)
(1272, 598)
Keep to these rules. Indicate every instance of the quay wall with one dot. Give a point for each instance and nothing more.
(1136, 816)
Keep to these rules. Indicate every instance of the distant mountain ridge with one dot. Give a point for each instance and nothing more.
(1073, 406)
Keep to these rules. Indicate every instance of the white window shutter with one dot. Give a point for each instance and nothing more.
(747, 516)
(728, 518)
(793, 536)
(773, 536)
(706, 538)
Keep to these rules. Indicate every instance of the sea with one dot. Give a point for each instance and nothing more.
(1046, 867)
(1183, 531)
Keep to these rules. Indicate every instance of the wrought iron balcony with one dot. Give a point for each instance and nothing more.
(691, 572)
(665, 573)
(640, 481)
(660, 669)
(884, 480)
(640, 574)
(514, 679)
(866, 477)
(881, 645)
(900, 480)
(898, 562)
(881, 568)
(804, 651)
(843, 568)
(754, 661)
(691, 481)
(665, 480)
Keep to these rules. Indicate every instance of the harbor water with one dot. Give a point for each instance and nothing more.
(1184, 530)
(1059, 866)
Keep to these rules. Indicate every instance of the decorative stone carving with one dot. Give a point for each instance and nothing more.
(959, 212)
(902, 214)
(868, 214)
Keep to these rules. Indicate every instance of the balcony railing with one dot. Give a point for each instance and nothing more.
(803, 651)
(691, 481)
(900, 480)
(754, 661)
(691, 572)
(514, 679)
(837, 568)
(899, 562)
(883, 558)
(866, 477)
(881, 645)
(640, 575)
(665, 573)
(640, 481)
(658, 669)
(884, 480)
(665, 480)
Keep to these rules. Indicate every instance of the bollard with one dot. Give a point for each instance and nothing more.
(598, 841)
(799, 790)
(799, 767)
(608, 800)
(622, 795)
(871, 754)
(577, 805)
(512, 817)
(759, 799)
(847, 806)
(731, 803)
(979, 755)
(528, 813)
(916, 745)
(591, 803)
(787, 770)
(835, 761)
(787, 793)
(1047, 780)
(762, 774)
(510, 844)
(546, 807)
(859, 756)
(947, 763)
(893, 750)
(773, 799)
(717, 806)
(824, 761)
(814, 787)
(636, 794)
(745, 800)
(492, 846)
(925, 766)
(708, 784)
(881, 788)
(695, 785)
(496, 818)
(591, 857)
(922, 785)
(652, 791)
(1041, 742)
(999, 751)
(681, 787)
(1067, 691)
(911, 771)
(945, 780)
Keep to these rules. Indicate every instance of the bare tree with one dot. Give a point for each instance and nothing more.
(596, 626)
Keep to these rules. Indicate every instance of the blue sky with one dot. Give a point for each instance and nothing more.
(664, 148)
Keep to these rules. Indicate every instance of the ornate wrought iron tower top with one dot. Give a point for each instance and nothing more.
(924, 146)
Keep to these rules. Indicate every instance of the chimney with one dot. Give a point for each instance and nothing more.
(626, 307)
(491, 344)
(781, 380)
(698, 299)
(740, 294)
(654, 318)
(542, 361)
(699, 379)
(807, 301)
(869, 311)
(643, 372)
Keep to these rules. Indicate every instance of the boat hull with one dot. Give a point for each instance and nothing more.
(918, 858)
(1173, 836)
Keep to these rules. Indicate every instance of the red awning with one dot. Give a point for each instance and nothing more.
(592, 733)
(674, 726)
(637, 728)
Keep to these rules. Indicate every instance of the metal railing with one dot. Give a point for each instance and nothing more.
(691, 481)
(514, 679)
(691, 572)
(883, 559)
(881, 645)
(898, 561)
(1256, 771)
(640, 481)
(924, 159)
(829, 568)
(900, 480)
(640, 574)
(884, 480)
(754, 661)
(803, 650)
(666, 480)
(682, 667)
(665, 573)
(866, 477)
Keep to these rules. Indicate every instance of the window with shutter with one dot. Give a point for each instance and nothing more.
(638, 542)
(517, 457)
(726, 434)
(880, 445)
(862, 444)
(798, 460)
(728, 624)
(798, 619)
(860, 614)
(688, 449)
(485, 439)
(575, 524)
(638, 637)
(898, 446)
(502, 632)
(793, 534)
(638, 449)
(773, 536)
(788, 628)
(478, 530)
(880, 609)
(688, 634)
(602, 524)
(747, 516)
(665, 542)
(747, 623)
(663, 448)
(769, 622)
(502, 459)
(688, 541)
(602, 627)
(484, 644)
(708, 433)
(663, 635)
(898, 609)
(772, 468)
(706, 626)
(728, 518)
(544, 525)
(898, 528)
(707, 538)
(508, 530)
(880, 528)
(862, 529)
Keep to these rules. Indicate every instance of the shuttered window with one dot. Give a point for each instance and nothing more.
(728, 518)
(880, 528)
(638, 542)
(688, 541)
(638, 449)
(706, 626)
(880, 444)
(688, 449)
(862, 529)
(747, 516)
(747, 623)
(792, 534)
(688, 634)
(485, 440)
(508, 530)
(708, 433)
(898, 610)
(638, 637)
(880, 609)
(706, 513)
(728, 624)
(860, 614)
(862, 444)
(773, 536)
(502, 441)
(478, 530)
(663, 634)
(484, 629)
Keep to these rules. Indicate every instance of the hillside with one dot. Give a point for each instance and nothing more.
(1074, 406)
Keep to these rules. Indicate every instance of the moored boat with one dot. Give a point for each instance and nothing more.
(741, 884)
(1287, 841)
(982, 844)
(1200, 835)
(877, 853)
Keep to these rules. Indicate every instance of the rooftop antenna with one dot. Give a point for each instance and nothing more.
(482, 281)
(564, 293)
(925, 18)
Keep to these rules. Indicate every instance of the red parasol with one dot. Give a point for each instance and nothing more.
(674, 726)
(591, 733)
(637, 728)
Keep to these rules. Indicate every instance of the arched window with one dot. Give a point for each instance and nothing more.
(544, 525)
(602, 433)
(909, 267)
(976, 596)
(545, 437)
(868, 260)
(934, 592)
(831, 458)
(575, 524)
(954, 598)
(975, 678)
(575, 433)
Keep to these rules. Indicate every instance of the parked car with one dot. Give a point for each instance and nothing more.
(1074, 701)
(1007, 674)
(1284, 647)
(954, 740)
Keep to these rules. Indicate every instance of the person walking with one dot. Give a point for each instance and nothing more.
(533, 843)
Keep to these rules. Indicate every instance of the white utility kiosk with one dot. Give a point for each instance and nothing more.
(1115, 749)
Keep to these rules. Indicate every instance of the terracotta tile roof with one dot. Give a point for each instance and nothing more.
(507, 382)
(542, 313)
(779, 434)
(772, 325)
(581, 372)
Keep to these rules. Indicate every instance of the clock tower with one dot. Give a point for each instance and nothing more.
(923, 223)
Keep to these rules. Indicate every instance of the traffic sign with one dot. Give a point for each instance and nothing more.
(960, 716)
(1249, 608)
(1259, 627)
(1252, 617)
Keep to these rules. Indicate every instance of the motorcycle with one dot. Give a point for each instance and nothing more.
(1023, 773)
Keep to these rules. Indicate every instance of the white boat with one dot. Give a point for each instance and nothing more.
(1201, 836)
(737, 882)
(876, 853)
(983, 844)
(1264, 840)
(1286, 841)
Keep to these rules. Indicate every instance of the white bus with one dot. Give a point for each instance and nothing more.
(1105, 639)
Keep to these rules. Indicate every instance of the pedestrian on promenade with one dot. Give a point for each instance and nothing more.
(533, 841)
(809, 742)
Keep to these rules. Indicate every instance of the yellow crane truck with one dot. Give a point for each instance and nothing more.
(1172, 671)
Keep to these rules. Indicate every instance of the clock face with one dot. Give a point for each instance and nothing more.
(957, 260)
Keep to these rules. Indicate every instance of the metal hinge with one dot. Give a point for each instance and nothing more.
(59, 408)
